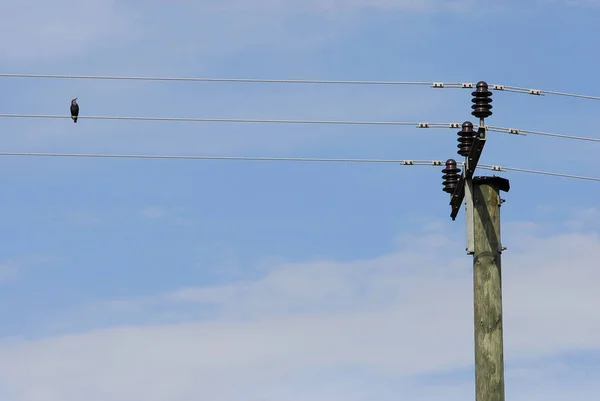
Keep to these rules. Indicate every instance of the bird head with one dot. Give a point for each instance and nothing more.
(74, 101)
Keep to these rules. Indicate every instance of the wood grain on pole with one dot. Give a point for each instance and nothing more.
(487, 283)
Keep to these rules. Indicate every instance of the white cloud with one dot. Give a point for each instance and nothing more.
(330, 5)
(187, 37)
(406, 313)
(584, 219)
(42, 29)
(35, 29)
(11, 268)
(583, 3)
(231, 26)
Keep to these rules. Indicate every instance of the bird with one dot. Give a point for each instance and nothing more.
(74, 110)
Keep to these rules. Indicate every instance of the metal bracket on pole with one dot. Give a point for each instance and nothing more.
(470, 165)
(457, 196)
(469, 214)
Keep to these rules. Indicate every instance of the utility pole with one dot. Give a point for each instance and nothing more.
(487, 288)
(482, 198)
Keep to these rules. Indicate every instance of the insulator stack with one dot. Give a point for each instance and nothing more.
(481, 99)
(451, 176)
(466, 138)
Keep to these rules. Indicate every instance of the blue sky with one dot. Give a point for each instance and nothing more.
(190, 280)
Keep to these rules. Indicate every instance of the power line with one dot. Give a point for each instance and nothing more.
(542, 92)
(517, 131)
(201, 79)
(515, 89)
(292, 159)
(513, 131)
(227, 120)
(230, 158)
(433, 84)
(523, 170)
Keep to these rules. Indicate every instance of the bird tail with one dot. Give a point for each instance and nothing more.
(74, 119)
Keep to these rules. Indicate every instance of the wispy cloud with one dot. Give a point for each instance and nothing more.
(43, 30)
(309, 324)
(588, 218)
(12, 268)
(330, 5)
(380, 315)
(40, 30)
(583, 3)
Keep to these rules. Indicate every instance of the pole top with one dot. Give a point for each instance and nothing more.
(501, 183)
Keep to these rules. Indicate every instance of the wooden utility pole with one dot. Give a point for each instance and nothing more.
(487, 287)
(482, 196)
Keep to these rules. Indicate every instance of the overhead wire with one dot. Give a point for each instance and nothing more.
(513, 131)
(295, 159)
(433, 84)
(541, 92)
(208, 79)
(518, 131)
(230, 158)
(219, 120)
(524, 170)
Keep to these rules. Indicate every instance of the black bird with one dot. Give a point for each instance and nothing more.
(74, 110)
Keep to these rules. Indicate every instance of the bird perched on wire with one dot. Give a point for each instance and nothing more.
(74, 110)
